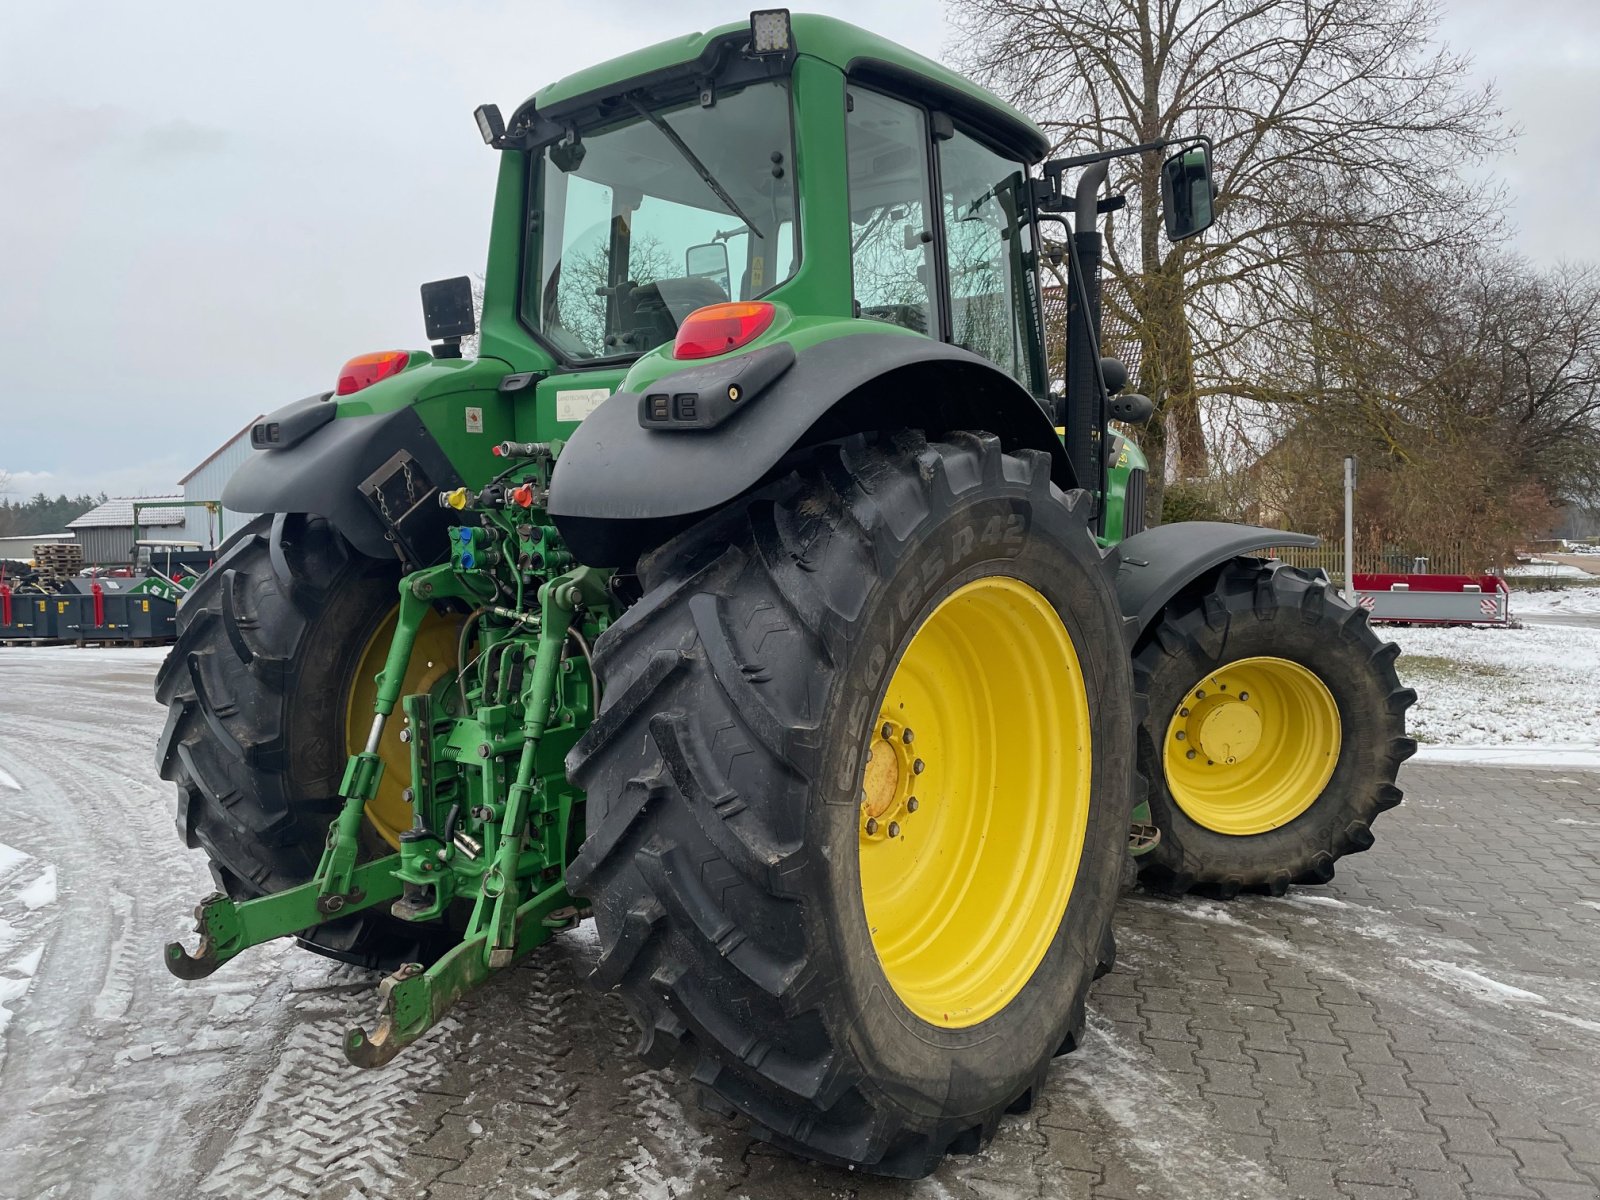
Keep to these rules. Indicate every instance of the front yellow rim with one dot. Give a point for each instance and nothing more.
(1252, 746)
(975, 802)
(433, 658)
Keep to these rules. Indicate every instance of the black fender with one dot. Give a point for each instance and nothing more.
(620, 488)
(1159, 563)
(376, 478)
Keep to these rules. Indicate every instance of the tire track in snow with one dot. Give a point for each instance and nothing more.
(26, 886)
(125, 1060)
(322, 1126)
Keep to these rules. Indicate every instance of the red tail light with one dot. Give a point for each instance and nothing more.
(364, 370)
(718, 328)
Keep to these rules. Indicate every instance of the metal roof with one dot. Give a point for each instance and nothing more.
(119, 513)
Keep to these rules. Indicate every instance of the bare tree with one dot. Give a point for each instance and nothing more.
(1340, 129)
(1469, 383)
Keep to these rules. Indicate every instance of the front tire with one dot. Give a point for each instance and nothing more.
(1257, 793)
(741, 911)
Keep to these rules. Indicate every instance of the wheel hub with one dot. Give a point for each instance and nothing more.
(888, 785)
(1223, 729)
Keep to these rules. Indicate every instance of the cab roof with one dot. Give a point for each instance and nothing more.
(856, 52)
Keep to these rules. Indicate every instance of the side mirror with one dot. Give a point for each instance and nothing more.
(1186, 191)
(709, 260)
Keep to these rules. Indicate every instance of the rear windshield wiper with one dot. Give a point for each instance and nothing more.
(700, 168)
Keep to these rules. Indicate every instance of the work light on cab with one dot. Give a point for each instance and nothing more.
(364, 370)
(718, 328)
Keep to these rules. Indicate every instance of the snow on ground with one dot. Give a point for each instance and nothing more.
(1554, 601)
(16, 973)
(1534, 687)
(1539, 569)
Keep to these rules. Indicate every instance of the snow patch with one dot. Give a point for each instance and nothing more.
(1473, 981)
(1569, 1019)
(41, 891)
(1210, 910)
(1177, 1142)
(1536, 687)
(1541, 569)
(9, 781)
(11, 858)
(1321, 901)
(1556, 601)
(16, 977)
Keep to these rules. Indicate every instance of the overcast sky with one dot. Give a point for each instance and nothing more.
(206, 208)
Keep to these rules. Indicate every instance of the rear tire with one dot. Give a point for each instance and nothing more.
(725, 789)
(268, 647)
(1255, 610)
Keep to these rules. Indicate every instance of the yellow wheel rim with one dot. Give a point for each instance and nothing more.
(975, 802)
(1252, 746)
(433, 658)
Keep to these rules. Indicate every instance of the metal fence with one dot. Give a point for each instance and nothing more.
(1329, 557)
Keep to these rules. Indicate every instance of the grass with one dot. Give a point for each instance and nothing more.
(1547, 583)
(1436, 667)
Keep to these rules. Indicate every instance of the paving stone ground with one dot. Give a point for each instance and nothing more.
(1428, 1025)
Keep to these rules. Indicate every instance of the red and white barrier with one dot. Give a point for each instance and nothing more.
(1435, 599)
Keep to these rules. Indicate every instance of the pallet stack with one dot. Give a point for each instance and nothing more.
(58, 562)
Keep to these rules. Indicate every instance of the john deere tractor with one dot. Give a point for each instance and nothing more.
(752, 593)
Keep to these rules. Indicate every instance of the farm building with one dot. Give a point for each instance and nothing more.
(106, 532)
(19, 547)
(206, 482)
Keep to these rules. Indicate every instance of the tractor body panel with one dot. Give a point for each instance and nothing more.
(619, 485)
(1159, 563)
(1125, 497)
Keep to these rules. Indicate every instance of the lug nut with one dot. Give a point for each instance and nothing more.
(1244, 695)
(1181, 735)
(894, 829)
(912, 805)
(1183, 712)
(1199, 693)
(907, 737)
(872, 825)
(918, 767)
(1190, 754)
(887, 731)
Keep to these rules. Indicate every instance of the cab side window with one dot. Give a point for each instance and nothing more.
(987, 252)
(891, 215)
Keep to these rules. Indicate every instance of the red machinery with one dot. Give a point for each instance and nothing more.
(1435, 599)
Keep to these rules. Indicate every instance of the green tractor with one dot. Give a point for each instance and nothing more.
(752, 592)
